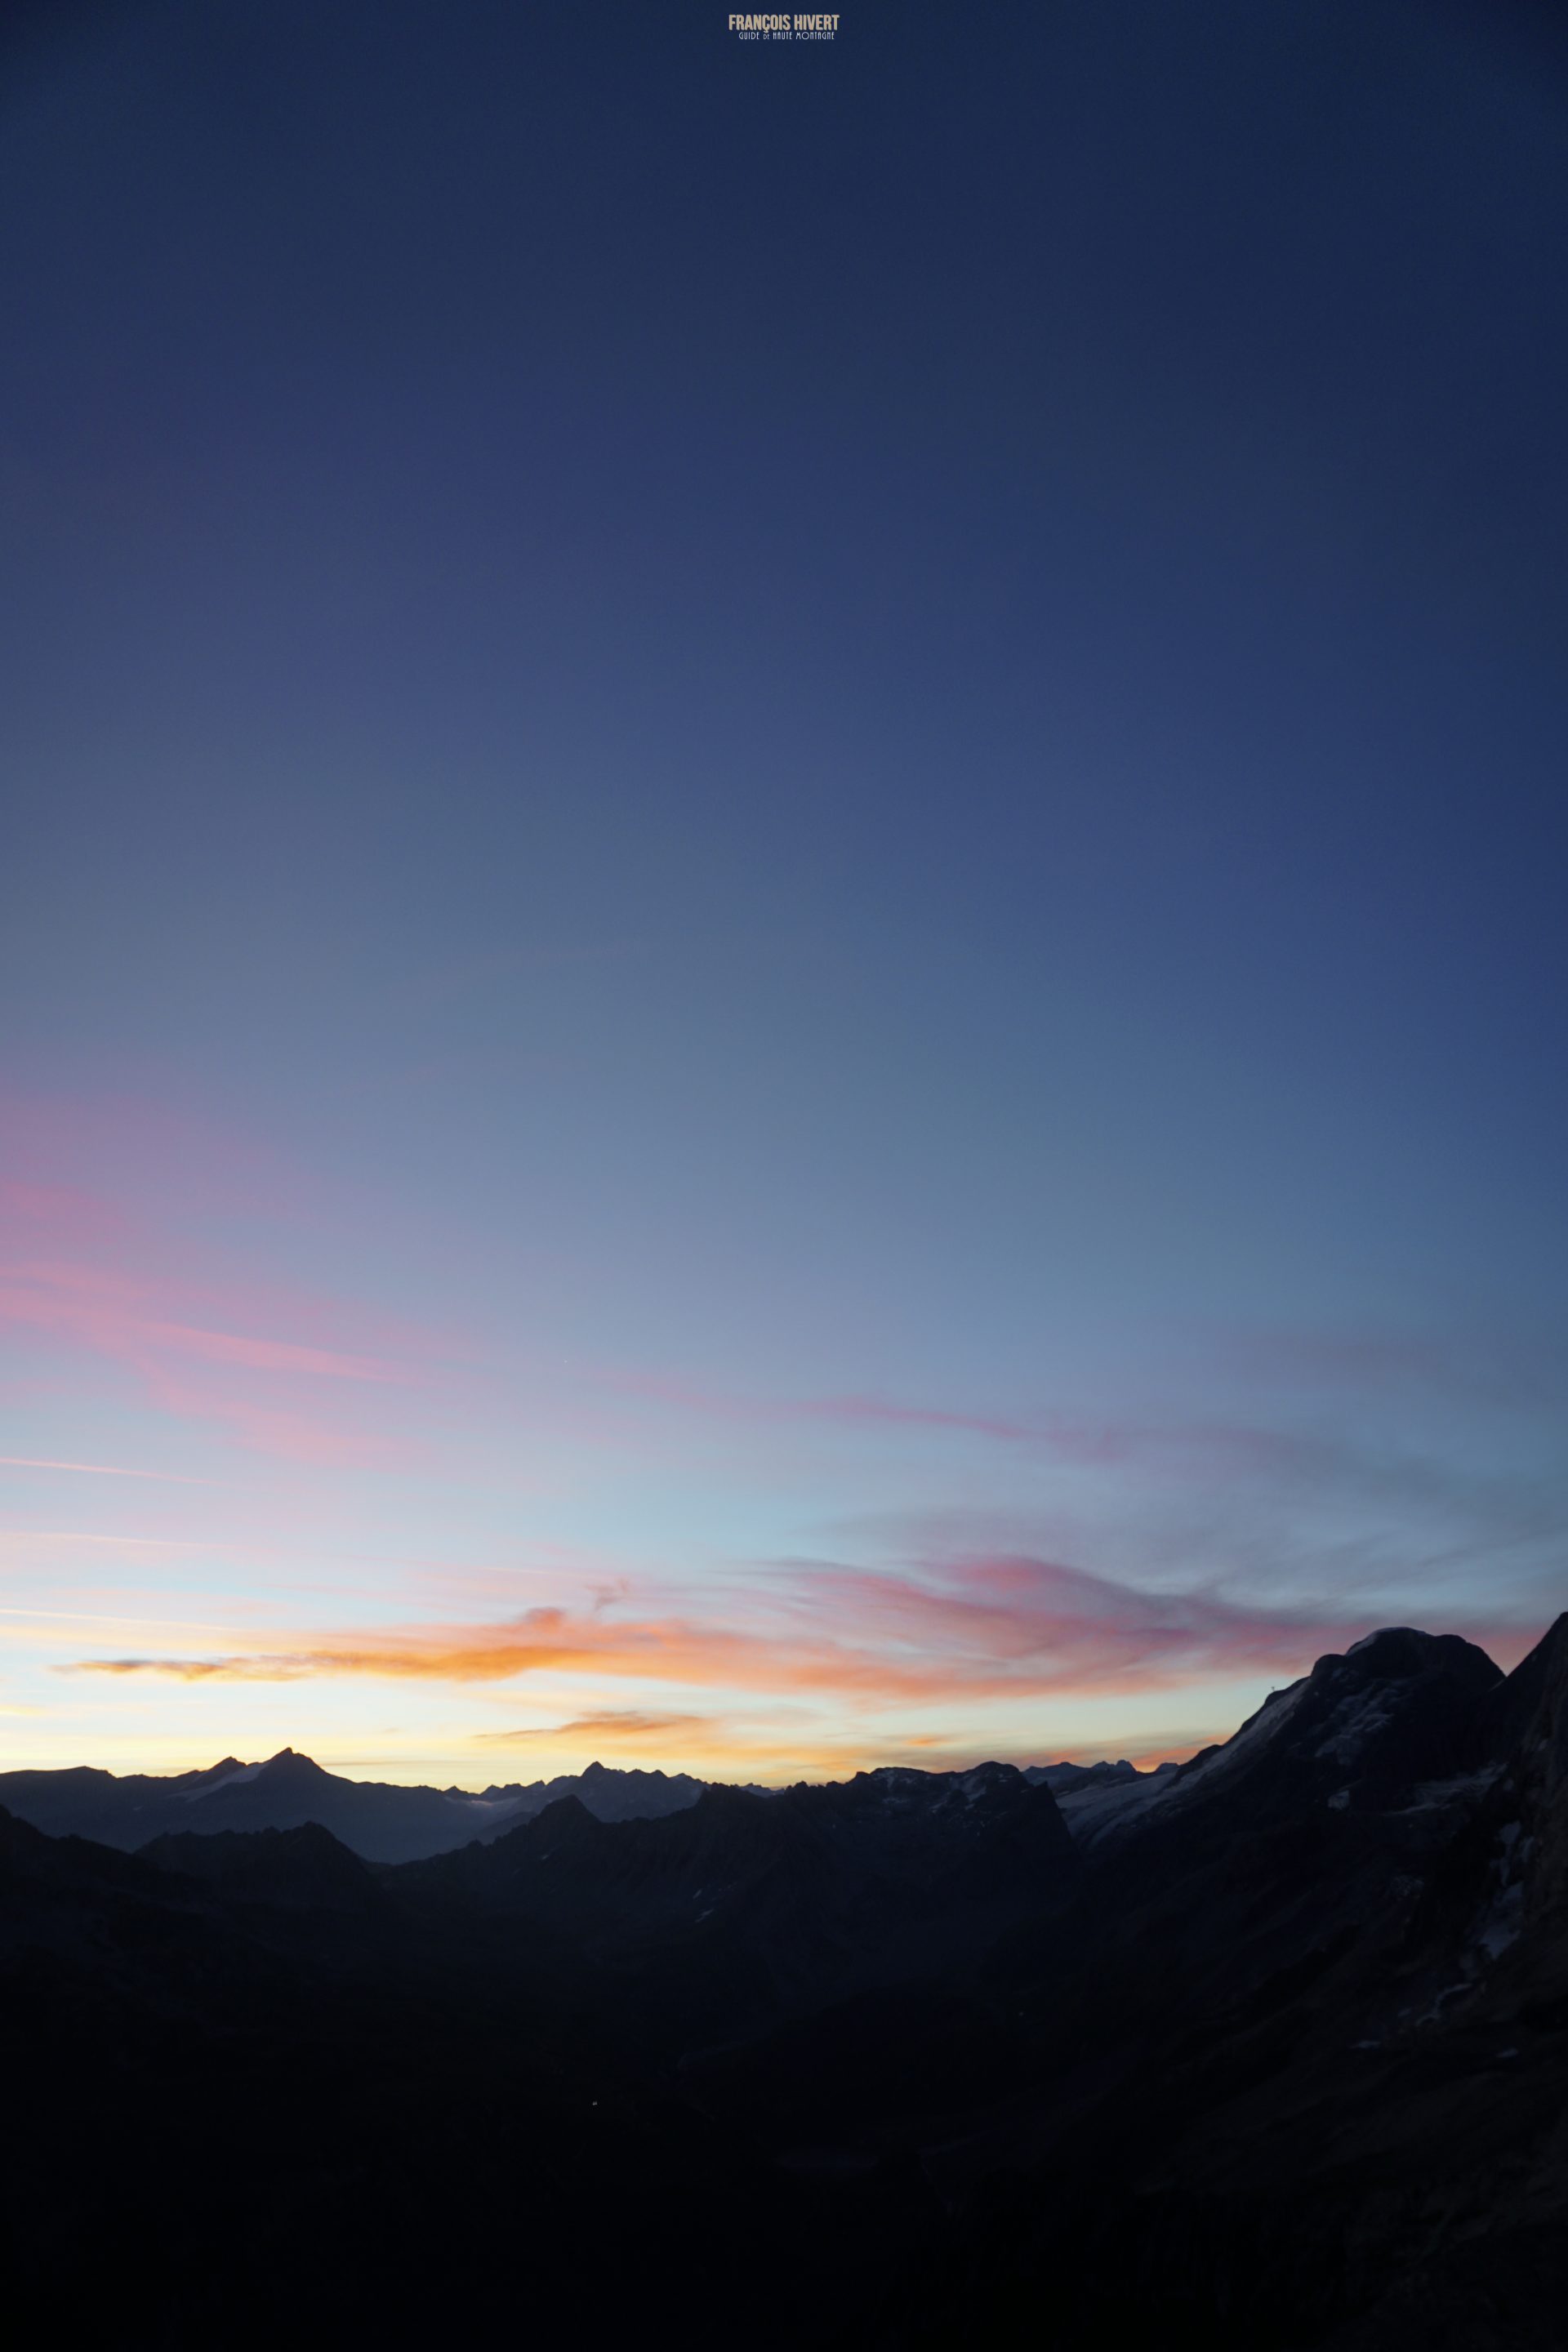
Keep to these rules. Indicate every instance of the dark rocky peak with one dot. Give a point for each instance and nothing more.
(889, 1784)
(21, 1845)
(614, 1794)
(724, 1820)
(1397, 1708)
(900, 1788)
(1365, 1729)
(290, 1767)
(563, 1834)
(1063, 1779)
(566, 1821)
(31, 1859)
(903, 1819)
(1525, 1743)
(296, 1868)
(1401, 1653)
(1528, 1708)
(1501, 1889)
(72, 1781)
(988, 1780)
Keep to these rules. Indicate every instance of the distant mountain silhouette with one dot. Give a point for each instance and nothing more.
(303, 1869)
(1061, 1778)
(1264, 2052)
(381, 1821)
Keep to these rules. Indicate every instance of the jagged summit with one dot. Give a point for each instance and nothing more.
(291, 1764)
(1400, 1706)
(1398, 1709)
(1515, 1705)
(297, 1869)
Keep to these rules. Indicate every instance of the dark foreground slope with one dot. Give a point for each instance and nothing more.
(1273, 2053)
(1306, 2065)
(258, 2088)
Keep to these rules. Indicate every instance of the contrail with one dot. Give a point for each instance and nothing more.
(102, 1470)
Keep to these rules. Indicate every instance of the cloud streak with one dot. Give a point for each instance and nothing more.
(983, 1630)
(614, 1723)
(1219, 1446)
(287, 1372)
(100, 1470)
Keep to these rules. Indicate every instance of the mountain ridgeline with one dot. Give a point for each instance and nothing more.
(378, 1820)
(1269, 2049)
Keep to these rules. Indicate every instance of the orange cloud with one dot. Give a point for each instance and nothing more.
(715, 1745)
(980, 1629)
(610, 1723)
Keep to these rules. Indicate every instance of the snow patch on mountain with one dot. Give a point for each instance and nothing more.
(1356, 1720)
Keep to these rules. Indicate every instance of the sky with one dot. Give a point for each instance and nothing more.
(783, 981)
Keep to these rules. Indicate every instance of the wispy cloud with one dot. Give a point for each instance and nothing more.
(983, 1630)
(636, 1725)
(851, 1411)
(1083, 1439)
(288, 1371)
(100, 1470)
(124, 1315)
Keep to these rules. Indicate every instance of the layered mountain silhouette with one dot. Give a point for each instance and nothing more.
(381, 1821)
(1270, 2049)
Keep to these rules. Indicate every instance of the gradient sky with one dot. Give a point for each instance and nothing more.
(782, 889)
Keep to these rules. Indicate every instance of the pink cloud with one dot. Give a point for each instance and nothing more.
(324, 1434)
(63, 1209)
(987, 1629)
(286, 1370)
(1048, 1624)
(98, 1470)
(272, 1355)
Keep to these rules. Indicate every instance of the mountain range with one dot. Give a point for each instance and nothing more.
(382, 1821)
(1266, 2049)
(379, 1820)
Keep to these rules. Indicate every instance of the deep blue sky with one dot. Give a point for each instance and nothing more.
(810, 743)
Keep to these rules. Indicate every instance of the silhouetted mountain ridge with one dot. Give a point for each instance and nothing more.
(1269, 2050)
(382, 1821)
